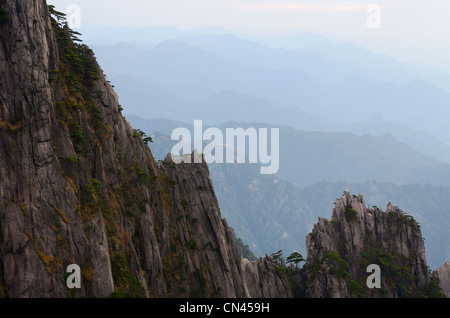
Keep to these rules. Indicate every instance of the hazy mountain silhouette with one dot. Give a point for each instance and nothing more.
(266, 210)
(196, 74)
(290, 42)
(95, 34)
(323, 70)
(423, 141)
(379, 66)
(310, 157)
(143, 97)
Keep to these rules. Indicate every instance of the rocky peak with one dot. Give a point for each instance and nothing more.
(79, 185)
(341, 249)
(442, 275)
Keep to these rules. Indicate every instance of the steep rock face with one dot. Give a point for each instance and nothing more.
(263, 279)
(442, 275)
(78, 185)
(340, 250)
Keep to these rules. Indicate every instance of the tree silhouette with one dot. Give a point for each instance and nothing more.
(277, 256)
(295, 258)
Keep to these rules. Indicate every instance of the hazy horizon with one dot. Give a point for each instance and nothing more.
(412, 31)
(224, 149)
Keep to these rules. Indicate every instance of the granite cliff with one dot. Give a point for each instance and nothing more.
(442, 276)
(340, 251)
(78, 185)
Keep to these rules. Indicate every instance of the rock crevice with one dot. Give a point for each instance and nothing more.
(78, 185)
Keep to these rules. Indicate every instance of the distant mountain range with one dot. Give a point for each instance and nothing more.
(257, 55)
(278, 211)
(310, 157)
(322, 59)
(348, 84)
(236, 106)
(268, 212)
(346, 115)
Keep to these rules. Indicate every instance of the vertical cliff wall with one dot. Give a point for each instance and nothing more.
(341, 249)
(78, 185)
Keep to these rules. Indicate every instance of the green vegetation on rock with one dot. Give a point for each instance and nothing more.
(245, 250)
(350, 213)
(126, 285)
(3, 16)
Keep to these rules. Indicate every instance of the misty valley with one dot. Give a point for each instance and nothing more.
(167, 163)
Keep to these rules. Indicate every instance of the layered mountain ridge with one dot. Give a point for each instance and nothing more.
(79, 185)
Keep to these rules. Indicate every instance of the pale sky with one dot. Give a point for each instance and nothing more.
(414, 30)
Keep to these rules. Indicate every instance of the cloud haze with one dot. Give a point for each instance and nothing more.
(413, 30)
(303, 7)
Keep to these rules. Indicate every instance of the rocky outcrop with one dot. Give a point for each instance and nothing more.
(78, 185)
(442, 276)
(265, 279)
(341, 249)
